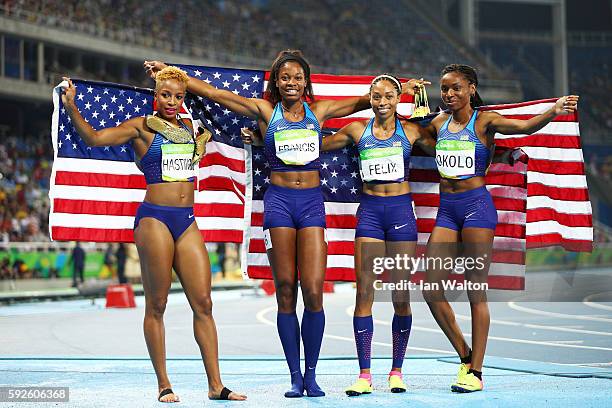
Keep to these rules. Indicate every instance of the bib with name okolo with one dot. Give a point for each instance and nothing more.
(176, 163)
(382, 164)
(455, 158)
(297, 147)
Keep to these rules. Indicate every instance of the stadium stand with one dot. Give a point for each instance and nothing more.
(251, 33)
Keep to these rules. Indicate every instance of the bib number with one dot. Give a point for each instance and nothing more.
(455, 158)
(176, 164)
(382, 164)
(296, 147)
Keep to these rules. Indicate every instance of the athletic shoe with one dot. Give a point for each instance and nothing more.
(467, 383)
(361, 386)
(463, 370)
(396, 384)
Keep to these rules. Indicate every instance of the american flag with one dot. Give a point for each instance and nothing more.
(95, 191)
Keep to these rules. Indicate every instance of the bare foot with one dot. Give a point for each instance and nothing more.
(168, 396)
(232, 396)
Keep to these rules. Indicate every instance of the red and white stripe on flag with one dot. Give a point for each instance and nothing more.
(558, 210)
(96, 200)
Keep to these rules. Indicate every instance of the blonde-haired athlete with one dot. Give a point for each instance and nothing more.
(165, 231)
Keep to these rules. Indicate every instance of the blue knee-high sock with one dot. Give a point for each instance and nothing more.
(363, 328)
(289, 333)
(400, 327)
(313, 324)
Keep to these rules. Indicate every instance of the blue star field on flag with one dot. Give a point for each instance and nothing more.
(102, 105)
(224, 124)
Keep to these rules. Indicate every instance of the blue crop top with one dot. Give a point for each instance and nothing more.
(461, 155)
(166, 161)
(293, 146)
(384, 161)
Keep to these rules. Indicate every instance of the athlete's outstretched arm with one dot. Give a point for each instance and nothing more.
(252, 107)
(563, 106)
(342, 137)
(425, 136)
(327, 109)
(105, 137)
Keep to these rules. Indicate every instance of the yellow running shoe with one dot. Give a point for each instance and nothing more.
(463, 370)
(361, 386)
(467, 383)
(396, 383)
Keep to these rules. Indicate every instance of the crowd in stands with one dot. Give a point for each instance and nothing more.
(590, 76)
(593, 81)
(335, 35)
(25, 169)
(599, 165)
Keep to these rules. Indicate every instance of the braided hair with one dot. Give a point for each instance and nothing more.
(272, 91)
(469, 74)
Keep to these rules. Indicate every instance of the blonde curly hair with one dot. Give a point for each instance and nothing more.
(171, 73)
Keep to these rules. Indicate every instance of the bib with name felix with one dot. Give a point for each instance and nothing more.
(384, 160)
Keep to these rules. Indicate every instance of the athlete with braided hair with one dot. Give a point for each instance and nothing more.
(464, 145)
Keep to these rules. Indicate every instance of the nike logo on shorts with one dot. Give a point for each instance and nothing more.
(404, 331)
(191, 216)
(470, 214)
(399, 226)
(361, 331)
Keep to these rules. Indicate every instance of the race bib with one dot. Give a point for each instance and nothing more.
(297, 147)
(455, 158)
(381, 164)
(176, 164)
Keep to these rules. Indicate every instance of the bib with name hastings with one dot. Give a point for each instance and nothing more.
(176, 162)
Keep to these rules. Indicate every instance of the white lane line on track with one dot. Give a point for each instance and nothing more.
(588, 302)
(507, 339)
(541, 326)
(261, 316)
(513, 305)
(594, 365)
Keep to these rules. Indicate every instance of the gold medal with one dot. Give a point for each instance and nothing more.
(200, 146)
(421, 104)
(168, 130)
